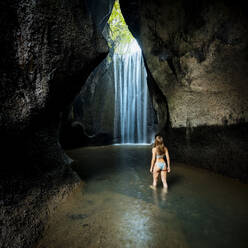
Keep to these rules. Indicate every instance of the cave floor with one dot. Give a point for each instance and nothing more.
(114, 206)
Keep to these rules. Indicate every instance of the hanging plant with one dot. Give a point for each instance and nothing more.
(119, 32)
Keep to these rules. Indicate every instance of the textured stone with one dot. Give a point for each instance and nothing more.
(196, 55)
(48, 49)
(101, 11)
(90, 118)
(97, 101)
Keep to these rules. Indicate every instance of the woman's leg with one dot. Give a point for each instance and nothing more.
(163, 178)
(155, 177)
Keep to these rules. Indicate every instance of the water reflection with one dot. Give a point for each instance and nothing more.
(159, 195)
(116, 208)
(135, 225)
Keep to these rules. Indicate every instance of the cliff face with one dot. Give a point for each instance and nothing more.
(93, 118)
(94, 107)
(90, 118)
(48, 52)
(48, 49)
(196, 52)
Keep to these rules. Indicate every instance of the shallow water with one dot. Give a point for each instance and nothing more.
(114, 206)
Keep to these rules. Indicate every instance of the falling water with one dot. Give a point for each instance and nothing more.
(131, 96)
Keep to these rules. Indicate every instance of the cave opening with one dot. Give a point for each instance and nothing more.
(132, 102)
(98, 195)
(126, 116)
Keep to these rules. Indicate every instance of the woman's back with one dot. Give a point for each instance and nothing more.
(160, 150)
(158, 163)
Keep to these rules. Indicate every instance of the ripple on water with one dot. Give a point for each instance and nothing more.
(116, 208)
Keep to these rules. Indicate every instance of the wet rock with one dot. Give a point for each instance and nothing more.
(196, 53)
(101, 11)
(90, 117)
(95, 105)
(220, 149)
(48, 49)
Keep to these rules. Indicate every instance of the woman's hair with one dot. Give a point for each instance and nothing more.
(159, 144)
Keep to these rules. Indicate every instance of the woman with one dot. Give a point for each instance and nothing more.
(158, 164)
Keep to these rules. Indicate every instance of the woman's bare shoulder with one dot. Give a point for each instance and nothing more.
(153, 149)
(165, 148)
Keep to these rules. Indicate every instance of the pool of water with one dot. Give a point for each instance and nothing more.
(114, 206)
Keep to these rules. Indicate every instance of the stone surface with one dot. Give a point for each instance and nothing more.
(100, 11)
(48, 49)
(26, 206)
(90, 118)
(222, 149)
(196, 55)
(96, 101)
(44, 54)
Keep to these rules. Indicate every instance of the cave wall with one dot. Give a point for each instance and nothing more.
(94, 107)
(92, 118)
(89, 120)
(197, 56)
(196, 53)
(48, 49)
(100, 11)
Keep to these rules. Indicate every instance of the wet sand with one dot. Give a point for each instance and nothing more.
(114, 206)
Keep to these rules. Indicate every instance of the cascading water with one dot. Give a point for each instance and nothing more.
(131, 96)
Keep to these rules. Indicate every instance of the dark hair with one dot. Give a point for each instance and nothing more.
(159, 144)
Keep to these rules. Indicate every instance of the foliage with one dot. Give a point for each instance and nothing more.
(119, 32)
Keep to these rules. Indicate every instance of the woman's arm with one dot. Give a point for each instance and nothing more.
(167, 158)
(153, 160)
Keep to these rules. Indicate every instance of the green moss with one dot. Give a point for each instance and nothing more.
(119, 32)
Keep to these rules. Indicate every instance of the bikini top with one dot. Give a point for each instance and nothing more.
(160, 156)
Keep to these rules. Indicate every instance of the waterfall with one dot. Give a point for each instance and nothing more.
(131, 97)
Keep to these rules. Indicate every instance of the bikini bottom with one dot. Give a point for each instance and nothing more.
(161, 165)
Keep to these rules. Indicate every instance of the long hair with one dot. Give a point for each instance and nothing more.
(159, 144)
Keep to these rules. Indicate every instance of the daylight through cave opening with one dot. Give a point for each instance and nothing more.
(133, 111)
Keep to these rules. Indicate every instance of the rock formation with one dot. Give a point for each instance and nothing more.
(48, 49)
(90, 119)
(196, 52)
(196, 55)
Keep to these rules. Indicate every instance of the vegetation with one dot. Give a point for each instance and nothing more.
(119, 32)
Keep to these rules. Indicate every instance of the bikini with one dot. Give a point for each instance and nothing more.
(161, 165)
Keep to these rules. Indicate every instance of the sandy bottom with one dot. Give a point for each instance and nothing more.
(115, 207)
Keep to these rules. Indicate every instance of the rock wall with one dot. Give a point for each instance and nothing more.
(89, 120)
(196, 52)
(95, 105)
(48, 49)
(100, 11)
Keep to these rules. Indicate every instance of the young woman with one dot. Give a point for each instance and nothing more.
(158, 165)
